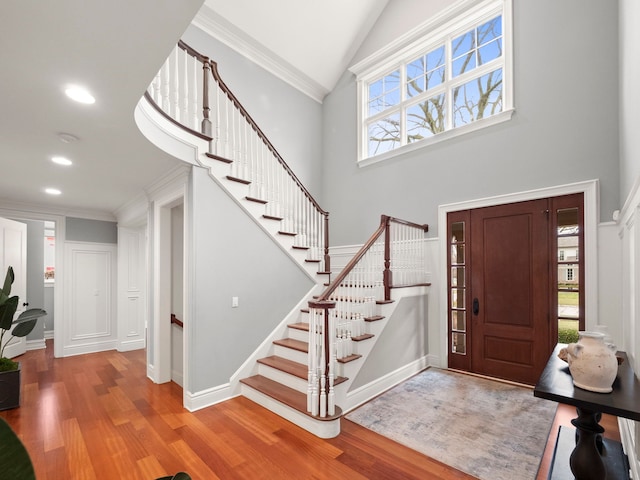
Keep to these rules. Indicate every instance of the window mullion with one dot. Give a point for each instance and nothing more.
(403, 104)
(448, 119)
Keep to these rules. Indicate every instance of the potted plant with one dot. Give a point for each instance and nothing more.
(22, 326)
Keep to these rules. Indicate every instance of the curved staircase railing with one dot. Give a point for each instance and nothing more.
(394, 256)
(189, 91)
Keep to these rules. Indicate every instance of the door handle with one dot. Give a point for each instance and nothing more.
(476, 306)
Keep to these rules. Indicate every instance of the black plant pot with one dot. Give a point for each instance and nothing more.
(10, 389)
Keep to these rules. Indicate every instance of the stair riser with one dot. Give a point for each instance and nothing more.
(290, 354)
(238, 190)
(301, 335)
(284, 378)
(322, 429)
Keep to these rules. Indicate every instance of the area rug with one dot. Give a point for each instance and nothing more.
(489, 429)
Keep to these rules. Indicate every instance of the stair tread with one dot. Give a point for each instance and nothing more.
(256, 200)
(365, 336)
(290, 397)
(218, 157)
(374, 318)
(238, 180)
(293, 344)
(299, 326)
(290, 234)
(350, 358)
(296, 369)
(300, 247)
(272, 217)
(289, 366)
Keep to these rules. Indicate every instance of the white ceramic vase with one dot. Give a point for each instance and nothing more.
(592, 362)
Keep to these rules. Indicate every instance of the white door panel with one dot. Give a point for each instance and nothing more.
(13, 252)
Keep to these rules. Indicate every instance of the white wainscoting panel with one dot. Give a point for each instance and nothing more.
(90, 298)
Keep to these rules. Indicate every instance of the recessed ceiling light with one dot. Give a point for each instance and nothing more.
(79, 94)
(67, 137)
(52, 191)
(61, 161)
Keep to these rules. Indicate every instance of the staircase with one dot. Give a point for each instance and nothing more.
(304, 370)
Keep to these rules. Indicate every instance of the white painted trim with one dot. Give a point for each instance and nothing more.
(165, 196)
(363, 394)
(34, 211)
(626, 427)
(48, 334)
(95, 347)
(38, 344)
(208, 397)
(591, 217)
(496, 119)
(130, 345)
(216, 26)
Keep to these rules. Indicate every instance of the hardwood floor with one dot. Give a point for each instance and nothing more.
(98, 417)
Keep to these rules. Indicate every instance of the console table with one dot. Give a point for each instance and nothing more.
(587, 461)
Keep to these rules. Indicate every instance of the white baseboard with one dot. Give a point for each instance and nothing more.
(48, 334)
(177, 377)
(206, 398)
(365, 393)
(71, 350)
(130, 345)
(38, 344)
(626, 436)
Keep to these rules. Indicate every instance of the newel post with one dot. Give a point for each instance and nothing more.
(206, 71)
(387, 279)
(327, 258)
(321, 394)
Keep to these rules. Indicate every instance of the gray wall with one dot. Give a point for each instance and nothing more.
(233, 257)
(629, 96)
(95, 231)
(565, 129)
(403, 341)
(291, 120)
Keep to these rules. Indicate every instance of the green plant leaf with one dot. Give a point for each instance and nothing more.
(8, 280)
(23, 329)
(7, 311)
(32, 313)
(14, 458)
(26, 322)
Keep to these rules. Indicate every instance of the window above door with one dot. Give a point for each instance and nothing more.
(453, 78)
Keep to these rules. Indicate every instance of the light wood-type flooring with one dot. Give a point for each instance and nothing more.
(98, 417)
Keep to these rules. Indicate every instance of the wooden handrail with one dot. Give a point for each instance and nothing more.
(210, 67)
(385, 220)
(249, 119)
(176, 321)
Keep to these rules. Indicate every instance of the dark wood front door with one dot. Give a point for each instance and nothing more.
(512, 278)
(510, 266)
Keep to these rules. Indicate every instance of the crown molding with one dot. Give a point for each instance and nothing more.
(217, 27)
(39, 209)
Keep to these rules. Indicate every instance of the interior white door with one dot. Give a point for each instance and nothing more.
(13, 252)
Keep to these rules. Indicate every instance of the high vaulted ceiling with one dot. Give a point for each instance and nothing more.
(114, 49)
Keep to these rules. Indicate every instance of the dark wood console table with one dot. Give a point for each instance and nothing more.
(587, 461)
